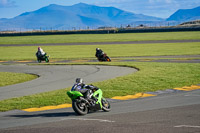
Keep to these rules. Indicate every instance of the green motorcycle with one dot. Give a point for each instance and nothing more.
(41, 58)
(82, 105)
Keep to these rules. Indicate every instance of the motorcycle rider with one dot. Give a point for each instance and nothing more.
(40, 52)
(86, 90)
(99, 53)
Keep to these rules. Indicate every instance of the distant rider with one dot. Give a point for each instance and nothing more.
(99, 53)
(83, 88)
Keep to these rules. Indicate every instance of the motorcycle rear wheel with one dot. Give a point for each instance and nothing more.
(79, 107)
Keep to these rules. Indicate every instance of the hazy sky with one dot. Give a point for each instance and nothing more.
(158, 8)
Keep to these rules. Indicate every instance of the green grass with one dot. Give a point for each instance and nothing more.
(151, 77)
(100, 37)
(88, 51)
(8, 78)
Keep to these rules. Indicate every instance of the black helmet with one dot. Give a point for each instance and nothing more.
(97, 49)
(79, 80)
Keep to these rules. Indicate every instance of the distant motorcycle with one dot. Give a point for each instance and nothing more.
(104, 57)
(82, 105)
(41, 58)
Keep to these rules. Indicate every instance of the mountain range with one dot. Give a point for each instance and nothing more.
(185, 15)
(84, 15)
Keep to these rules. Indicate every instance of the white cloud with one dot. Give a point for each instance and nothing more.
(7, 3)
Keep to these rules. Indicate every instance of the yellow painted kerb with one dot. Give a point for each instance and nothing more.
(188, 88)
(24, 61)
(138, 95)
(48, 108)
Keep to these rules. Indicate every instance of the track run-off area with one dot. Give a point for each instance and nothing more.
(172, 110)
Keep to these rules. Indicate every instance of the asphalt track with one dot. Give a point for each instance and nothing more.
(167, 59)
(169, 113)
(176, 112)
(54, 77)
(103, 43)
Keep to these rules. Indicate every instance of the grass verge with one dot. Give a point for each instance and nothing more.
(8, 78)
(88, 51)
(100, 37)
(150, 77)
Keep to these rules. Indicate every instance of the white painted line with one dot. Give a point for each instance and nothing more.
(190, 126)
(85, 119)
(192, 95)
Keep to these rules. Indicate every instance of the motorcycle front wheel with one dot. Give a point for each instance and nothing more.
(79, 107)
(105, 105)
(46, 59)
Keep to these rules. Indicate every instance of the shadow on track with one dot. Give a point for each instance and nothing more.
(58, 114)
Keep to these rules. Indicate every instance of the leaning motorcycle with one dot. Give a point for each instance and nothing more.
(41, 58)
(82, 105)
(104, 58)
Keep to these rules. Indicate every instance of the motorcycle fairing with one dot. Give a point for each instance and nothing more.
(74, 94)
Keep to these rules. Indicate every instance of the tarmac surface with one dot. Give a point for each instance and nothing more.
(164, 59)
(54, 77)
(103, 43)
(168, 113)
